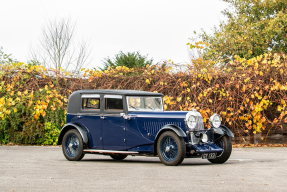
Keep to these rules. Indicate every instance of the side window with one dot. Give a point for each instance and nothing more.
(113, 103)
(91, 102)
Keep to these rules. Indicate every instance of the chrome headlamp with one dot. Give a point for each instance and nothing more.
(215, 120)
(191, 119)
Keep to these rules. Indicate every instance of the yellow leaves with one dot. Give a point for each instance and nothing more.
(244, 88)
(15, 110)
(210, 101)
(147, 81)
(165, 107)
(178, 99)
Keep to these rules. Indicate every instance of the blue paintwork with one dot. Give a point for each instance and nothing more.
(93, 126)
(143, 127)
(113, 132)
(143, 148)
(135, 134)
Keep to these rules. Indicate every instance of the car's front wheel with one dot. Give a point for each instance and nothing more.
(226, 145)
(171, 148)
(73, 145)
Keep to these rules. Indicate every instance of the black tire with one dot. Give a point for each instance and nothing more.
(171, 148)
(118, 157)
(73, 145)
(222, 157)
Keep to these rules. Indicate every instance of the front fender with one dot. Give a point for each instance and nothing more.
(220, 132)
(69, 126)
(168, 127)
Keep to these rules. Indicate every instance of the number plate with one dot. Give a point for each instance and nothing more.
(208, 155)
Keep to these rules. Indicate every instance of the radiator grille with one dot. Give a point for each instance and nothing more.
(200, 123)
(153, 127)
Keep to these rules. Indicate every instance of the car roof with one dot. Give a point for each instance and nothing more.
(118, 92)
(74, 106)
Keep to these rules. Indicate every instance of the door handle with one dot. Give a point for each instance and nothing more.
(102, 117)
(79, 116)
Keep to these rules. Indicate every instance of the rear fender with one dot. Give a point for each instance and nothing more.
(70, 126)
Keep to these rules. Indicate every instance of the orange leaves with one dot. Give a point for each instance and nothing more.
(244, 88)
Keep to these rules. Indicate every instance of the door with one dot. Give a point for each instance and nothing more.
(113, 124)
(90, 118)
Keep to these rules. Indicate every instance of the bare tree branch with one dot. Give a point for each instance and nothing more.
(58, 49)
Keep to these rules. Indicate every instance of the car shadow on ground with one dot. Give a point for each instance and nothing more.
(151, 161)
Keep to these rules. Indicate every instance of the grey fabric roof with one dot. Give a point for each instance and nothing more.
(119, 92)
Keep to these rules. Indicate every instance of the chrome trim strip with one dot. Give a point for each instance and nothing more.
(87, 114)
(90, 96)
(157, 116)
(113, 96)
(96, 114)
(110, 151)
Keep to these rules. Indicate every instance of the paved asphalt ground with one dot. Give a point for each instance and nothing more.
(30, 168)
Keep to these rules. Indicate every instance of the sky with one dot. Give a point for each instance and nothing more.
(157, 28)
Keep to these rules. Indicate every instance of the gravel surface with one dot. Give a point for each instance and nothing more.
(35, 168)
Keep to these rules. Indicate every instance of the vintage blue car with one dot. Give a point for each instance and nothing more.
(128, 122)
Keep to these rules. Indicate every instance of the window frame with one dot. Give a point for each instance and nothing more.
(128, 109)
(91, 96)
(109, 96)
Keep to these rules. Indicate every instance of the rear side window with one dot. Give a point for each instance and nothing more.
(113, 103)
(91, 102)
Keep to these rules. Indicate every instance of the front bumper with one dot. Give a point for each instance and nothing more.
(205, 148)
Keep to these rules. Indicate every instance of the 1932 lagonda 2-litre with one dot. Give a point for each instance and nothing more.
(128, 122)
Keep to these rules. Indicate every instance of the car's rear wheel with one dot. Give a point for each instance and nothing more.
(226, 145)
(171, 148)
(73, 145)
(118, 157)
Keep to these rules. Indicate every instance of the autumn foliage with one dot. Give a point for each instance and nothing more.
(250, 95)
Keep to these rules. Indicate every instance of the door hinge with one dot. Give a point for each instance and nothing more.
(101, 138)
(125, 140)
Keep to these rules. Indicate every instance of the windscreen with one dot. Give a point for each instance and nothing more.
(144, 103)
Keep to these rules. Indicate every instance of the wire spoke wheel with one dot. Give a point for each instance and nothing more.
(73, 145)
(171, 148)
(226, 145)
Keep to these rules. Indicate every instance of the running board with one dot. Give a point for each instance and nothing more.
(110, 151)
